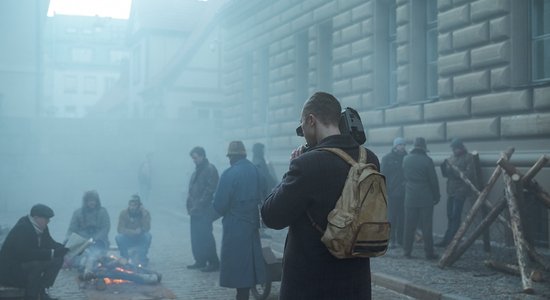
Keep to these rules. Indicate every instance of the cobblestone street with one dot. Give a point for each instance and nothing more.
(170, 254)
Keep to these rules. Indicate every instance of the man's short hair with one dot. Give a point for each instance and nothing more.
(325, 107)
(198, 151)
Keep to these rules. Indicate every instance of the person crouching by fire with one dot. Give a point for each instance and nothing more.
(133, 228)
(30, 258)
(91, 221)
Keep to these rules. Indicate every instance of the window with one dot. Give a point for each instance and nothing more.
(70, 84)
(540, 40)
(431, 49)
(82, 55)
(90, 85)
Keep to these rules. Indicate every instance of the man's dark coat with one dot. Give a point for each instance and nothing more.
(313, 184)
(20, 246)
(422, 187)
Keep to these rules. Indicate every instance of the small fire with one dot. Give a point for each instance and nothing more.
(109, 281)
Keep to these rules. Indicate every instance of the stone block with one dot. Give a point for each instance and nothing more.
(337, 71)
(454, 18)
(361, 11)
(500, 78)
(383, 135)
(369, 102)
(471, 36)
(448, 109)
(471, 83)
(443, 5)
(361, 83)
(362, 46)
(403, 114)
(367, 63)
(474, 128)
(445, 43)
(403, 74)
(342, 20)
(403, 34)
(402, 54)
(402, 14)
(352, 100)
(352, 67)
(351, 33)
(430, 131)
(445, 87)
(485, 9)
(336, 38)
(491, 55)
(372, 118)
(403, 95)
(453, 63)
(367, 27)
(325, 11)
(526, 125)
(506, 102)
(541, 98)
(499, 29)
(341, 86)
(341, 53)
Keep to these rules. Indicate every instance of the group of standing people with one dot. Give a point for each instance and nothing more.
(234, 196)
(413, 191)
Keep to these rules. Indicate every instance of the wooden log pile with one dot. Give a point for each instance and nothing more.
(515, 182)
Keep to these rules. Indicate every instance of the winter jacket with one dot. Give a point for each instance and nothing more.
(422, 186)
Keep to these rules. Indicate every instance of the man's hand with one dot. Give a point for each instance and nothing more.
(60, 252)
(297, 152)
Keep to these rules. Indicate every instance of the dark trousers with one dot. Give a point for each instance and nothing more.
(243, 293)
(396, 216)
(414, 215)
(454, 215)
(140, 243)
(203, 244)
(40, 275)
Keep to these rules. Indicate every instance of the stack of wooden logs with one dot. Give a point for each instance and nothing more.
(514, 183)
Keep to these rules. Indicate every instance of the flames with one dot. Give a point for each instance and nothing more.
(110, 281)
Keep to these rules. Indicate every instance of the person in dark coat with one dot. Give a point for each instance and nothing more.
(30, 258)
(236, 199)
(199, 207)
(268, 175)
(421, 195)
(457, 190)
(392, 168)
(312, 185)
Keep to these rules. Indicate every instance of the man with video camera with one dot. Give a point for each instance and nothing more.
(312, 186)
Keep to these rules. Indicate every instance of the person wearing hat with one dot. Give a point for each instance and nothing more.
(307, 193)
(236, 199)
(30, 258)
(421, 195)
(392, 168)
(199, 207)
(133, 228)
(457, 190)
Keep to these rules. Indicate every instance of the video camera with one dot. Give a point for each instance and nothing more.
(350, 123)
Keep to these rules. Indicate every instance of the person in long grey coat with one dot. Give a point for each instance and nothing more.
(236, 199)
(421, 195)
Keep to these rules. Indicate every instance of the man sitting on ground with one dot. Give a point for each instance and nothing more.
(134, 224)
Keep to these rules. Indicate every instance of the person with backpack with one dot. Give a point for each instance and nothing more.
(421, 195)
(308, 192)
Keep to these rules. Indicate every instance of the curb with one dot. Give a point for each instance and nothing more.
(411, 289)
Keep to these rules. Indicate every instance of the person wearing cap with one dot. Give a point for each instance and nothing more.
(30, 258)
(133, 228)
(236, 199)
(392, 168)
(307, 193)
(199, 207)
(457, 190)
(421, 195)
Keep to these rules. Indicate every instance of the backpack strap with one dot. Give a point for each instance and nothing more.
(343, 155)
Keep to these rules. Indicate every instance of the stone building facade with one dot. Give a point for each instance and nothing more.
(474, 69)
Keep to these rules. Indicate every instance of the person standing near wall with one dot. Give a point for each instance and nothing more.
(236, 199)
(421, 195)
(199, 207)
(457, 190)
(392, 168)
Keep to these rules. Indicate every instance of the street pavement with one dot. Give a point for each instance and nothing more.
(169, 255)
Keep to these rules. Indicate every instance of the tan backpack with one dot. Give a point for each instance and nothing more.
(358, 224)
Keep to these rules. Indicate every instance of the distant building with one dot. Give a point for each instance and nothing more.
(174, 69)
(83, 59)
(21, 63)
(477, 70)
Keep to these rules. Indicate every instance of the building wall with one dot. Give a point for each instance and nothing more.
(276, 56)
